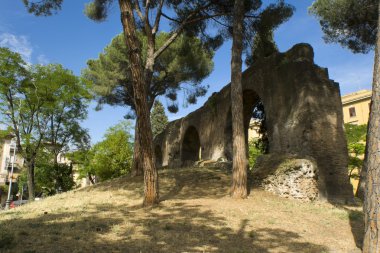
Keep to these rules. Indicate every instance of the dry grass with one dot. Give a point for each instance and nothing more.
(195, 215)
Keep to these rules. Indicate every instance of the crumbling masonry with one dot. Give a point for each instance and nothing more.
(303, 118)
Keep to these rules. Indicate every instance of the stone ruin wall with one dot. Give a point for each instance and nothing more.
(303, 119)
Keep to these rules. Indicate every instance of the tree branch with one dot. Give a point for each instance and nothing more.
(179, 30)
(158, 17)
(147, 7)
(170, 18)
(138, 10)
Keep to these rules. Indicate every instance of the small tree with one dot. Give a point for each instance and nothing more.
(51, 177)
(356, 136)
(158, 118)
(22, 106)
(82, 158)
(112, 157)
(69, 109)
(39, 104)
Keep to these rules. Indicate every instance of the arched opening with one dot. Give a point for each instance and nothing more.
(158, 154)
(190, 149)
(255, 126)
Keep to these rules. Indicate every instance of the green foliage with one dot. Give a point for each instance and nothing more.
(82, 158)
(3, 189)
(69, 109)
(351, 23)
(97, 10)
(22, 180)
(355, 133)
(255, 149)
(262, 30)
(158, 118)
(260, 145)
(259, 115)
(5, 133)
(12, 69)
(43, 7)
(356, 137)
(112, 157)
(259, 24)
(263, 46)
(182, 67)
(51, 178)
(42, 106)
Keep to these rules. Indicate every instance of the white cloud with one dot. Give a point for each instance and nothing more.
(42, 59)
(19, 44)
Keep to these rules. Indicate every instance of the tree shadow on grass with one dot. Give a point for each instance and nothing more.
(166, 228)
(356, 219)
(209, 183)
(189, 183)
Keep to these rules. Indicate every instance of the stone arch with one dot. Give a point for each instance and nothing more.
(300, 99)
(158, 155)
(253, 107)
(190, 148)
(250, 101)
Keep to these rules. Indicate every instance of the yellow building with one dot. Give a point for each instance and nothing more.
(253, 130)
(356, 107)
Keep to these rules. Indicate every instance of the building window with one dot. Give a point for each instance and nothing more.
(352, 112)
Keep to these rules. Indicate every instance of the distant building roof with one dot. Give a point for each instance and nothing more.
(356, 96)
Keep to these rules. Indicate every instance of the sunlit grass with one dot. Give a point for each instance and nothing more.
(195, 215)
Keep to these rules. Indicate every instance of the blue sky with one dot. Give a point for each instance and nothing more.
(71, 39)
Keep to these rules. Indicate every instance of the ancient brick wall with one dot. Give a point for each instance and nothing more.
(303, 118)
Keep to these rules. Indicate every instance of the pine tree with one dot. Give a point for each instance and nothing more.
(355, 24)
(158, 118)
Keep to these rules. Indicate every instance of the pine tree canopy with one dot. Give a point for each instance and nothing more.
(181, 67)
(351, 23)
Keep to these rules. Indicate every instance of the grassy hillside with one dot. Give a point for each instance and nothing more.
(195, 215)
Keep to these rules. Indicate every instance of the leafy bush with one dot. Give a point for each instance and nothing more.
(356, 137)
(51, 178)
(256, 147)
(112, 157)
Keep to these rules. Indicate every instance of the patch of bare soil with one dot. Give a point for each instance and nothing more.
(195, 215)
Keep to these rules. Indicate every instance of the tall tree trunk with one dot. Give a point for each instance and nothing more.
(137, 168)
(151, 196)
(239, 174)
(371, 242)
(30, 168)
